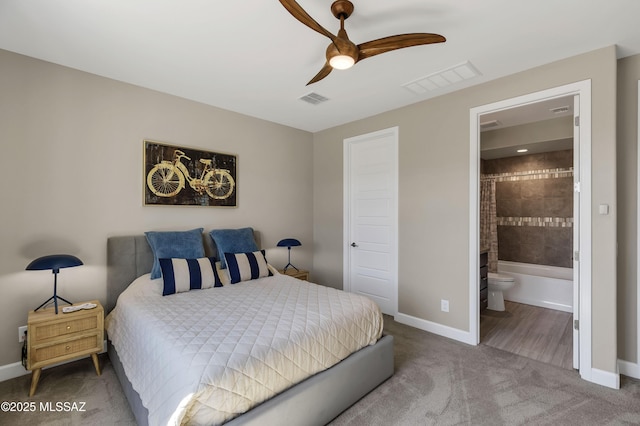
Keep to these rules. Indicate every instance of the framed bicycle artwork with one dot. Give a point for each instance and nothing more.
(178, 176)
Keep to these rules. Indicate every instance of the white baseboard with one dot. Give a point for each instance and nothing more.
(630, 369)
(435, 328)
(11, 371)
(603, 378)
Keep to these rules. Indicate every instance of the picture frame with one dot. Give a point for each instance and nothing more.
(180, 176)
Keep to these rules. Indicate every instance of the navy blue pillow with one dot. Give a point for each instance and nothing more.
(188, 274)
(174, 244)
(233, 241)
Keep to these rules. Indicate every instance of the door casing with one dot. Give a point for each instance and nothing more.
(583, 90)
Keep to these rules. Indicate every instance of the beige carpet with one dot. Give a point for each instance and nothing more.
(437, 382)
(76, 382)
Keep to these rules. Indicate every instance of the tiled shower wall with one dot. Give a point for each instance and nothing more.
(534, 204)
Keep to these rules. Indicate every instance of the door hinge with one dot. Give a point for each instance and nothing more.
(576, 120)
(576, 256)
(576, 324)
(576, 187)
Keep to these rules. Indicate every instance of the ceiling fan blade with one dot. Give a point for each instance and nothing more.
(322, 74)
(387, 44)
(301, 15)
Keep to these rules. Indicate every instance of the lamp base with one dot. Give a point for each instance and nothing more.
(55, 298)
(288, 266)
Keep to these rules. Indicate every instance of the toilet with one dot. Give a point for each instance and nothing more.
(497, 284)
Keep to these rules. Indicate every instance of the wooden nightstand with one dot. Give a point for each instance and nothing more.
(55, 338)
(301, 274)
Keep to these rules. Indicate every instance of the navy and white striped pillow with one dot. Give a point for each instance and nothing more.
(188, 274)
(247, 266)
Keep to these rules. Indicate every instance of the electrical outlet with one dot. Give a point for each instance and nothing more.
(22, 332)
(444, 305)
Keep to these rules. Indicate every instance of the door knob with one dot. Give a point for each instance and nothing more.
(354, 245)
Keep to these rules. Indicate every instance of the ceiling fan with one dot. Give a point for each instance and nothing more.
(342, 53)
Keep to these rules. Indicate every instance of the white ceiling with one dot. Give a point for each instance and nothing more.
(253, 57)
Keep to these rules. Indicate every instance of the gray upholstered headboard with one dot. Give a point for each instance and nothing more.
(129, 257)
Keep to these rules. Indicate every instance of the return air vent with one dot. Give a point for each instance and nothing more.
(314, 98)
(442, 78)
(489, 124)
(560, 110)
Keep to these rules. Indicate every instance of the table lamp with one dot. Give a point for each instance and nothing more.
(54, 262)
(288, 243)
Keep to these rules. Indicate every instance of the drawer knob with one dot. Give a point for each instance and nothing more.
(67, 348)
(68, 327)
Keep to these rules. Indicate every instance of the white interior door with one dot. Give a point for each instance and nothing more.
(371, 217)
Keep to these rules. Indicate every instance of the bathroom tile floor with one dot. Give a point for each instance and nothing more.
(542, 334)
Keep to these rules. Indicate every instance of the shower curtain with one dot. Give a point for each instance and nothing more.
(488, 220)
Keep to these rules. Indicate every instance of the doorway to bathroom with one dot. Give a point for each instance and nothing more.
(526, 229)
(544, 235)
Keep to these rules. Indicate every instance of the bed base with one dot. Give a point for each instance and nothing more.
(315, 401)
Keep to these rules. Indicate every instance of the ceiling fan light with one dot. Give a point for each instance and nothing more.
(341, 62)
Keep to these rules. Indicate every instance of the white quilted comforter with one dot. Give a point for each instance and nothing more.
(206, 356)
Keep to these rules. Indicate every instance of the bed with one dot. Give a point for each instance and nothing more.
(315, 400)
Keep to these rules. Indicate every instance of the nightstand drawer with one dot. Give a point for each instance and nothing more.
(47, 331)
(67, 349)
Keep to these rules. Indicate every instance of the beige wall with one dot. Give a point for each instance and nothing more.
(434, 194)
(628, 76)
(72, 161)
(72, 147)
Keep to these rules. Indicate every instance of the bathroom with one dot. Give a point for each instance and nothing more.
(526, 222)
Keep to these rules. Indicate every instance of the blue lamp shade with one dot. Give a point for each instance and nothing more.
(288, 243)
(54, 262)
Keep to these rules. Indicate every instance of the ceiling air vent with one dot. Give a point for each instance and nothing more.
(560, 110)
(489, 124)
(314, 98)
(442, 78)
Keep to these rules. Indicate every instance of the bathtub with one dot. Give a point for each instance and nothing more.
(539, 285)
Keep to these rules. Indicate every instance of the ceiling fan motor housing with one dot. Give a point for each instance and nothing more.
(347, 48)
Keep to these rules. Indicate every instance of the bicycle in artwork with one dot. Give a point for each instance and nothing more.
(167, 178)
